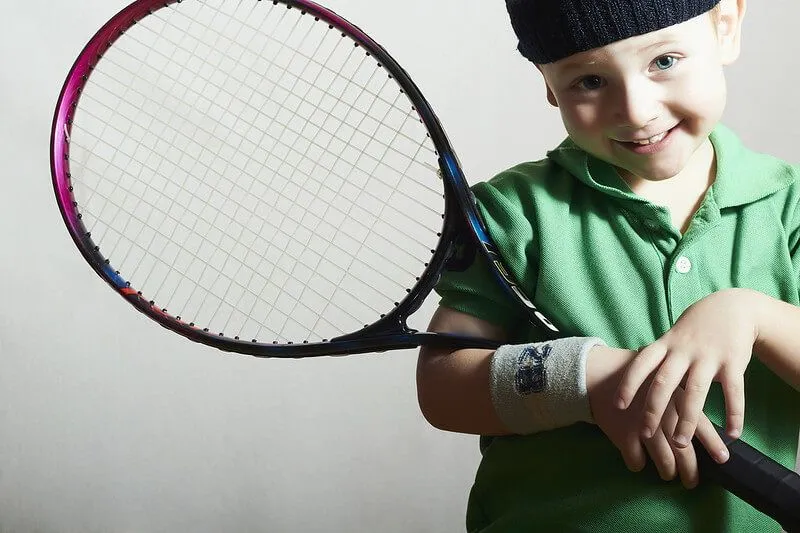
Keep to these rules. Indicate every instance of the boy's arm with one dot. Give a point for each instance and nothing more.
(455, 395)
(453, 387)
(778, 340)
(458, 390)
(713, 340)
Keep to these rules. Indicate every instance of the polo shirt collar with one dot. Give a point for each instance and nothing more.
(743, 176)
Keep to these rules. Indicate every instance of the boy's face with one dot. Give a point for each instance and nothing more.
(647, 104)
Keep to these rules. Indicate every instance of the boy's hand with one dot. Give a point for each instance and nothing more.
(711, 341)
(605, 368)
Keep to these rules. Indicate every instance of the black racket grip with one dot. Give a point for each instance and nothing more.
(762, 482)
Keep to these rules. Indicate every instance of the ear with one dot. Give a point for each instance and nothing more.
(551, 98)
(729, 29)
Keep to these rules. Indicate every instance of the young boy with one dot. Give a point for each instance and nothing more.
(668, 250)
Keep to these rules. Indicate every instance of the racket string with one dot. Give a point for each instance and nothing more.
(231, 267)
(348, 142)
(204, 261)
(431, 167)
(298, 301)
(377, 162)
(323, 66)
(127, 93)
(145, 223)
(222, 173)
(305, 155)
(244, 286)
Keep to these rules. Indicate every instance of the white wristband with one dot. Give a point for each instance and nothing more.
(541, 386)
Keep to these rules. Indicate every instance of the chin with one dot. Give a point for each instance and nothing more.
(648, 174)
(661, 175)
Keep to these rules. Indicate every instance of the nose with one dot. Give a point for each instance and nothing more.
(637, 103)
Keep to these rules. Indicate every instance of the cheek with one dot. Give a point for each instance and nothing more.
(704, 97)
(582, 118)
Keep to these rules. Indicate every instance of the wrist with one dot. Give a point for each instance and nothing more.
(604, 363)
(757, 306)
(604, 370)
(768, 313)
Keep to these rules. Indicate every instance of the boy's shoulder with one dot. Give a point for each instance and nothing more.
(745, 175)
(526, 178)
(523, 190)
(526, 173)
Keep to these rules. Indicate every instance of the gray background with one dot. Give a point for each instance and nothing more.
(109, 424)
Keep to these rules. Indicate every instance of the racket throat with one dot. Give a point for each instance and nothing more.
(390, 333)
(390, 325)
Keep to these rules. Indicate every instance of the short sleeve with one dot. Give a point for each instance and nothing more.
(791, 217)
(476, 292)
(505, 205)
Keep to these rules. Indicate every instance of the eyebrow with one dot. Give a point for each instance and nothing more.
(575, 65)
(593, 59)
(667, 40)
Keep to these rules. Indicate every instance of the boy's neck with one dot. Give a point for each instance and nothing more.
(683, 193)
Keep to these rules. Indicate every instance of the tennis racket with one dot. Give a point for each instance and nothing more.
(262, 177)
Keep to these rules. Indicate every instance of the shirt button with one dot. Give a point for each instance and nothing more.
(683, 265)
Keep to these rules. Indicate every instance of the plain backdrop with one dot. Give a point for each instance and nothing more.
(111, 424)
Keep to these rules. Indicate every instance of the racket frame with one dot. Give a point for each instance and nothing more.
(390, 331)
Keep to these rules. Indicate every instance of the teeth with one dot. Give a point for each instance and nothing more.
(652, 140)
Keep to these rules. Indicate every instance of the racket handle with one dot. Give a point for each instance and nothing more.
(760, 481)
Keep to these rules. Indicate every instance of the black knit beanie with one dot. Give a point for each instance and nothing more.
(549, 30)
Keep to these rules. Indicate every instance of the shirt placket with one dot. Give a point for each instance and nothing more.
(681, 262)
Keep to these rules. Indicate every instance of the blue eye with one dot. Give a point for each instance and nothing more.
(665, 62)
(591, 83)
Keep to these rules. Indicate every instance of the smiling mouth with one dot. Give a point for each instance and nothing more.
(651, 140)
(650, 144)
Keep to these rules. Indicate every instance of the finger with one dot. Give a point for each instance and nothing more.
(633, 454)
(660, 451)
(666, 380)
(645, 362)
(690, 403)
(686, 463)
(733, 390)
(685, 458)
(708, 437)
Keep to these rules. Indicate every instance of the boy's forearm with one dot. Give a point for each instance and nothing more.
(454, 394)
(455, 390)
(778, 342)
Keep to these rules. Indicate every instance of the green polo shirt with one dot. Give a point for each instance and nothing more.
(601, 261)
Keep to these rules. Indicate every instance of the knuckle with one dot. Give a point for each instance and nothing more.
(695, 387)
(626, 391)
(682, 453)
(651, 416)
(660, 379)
(735, 385)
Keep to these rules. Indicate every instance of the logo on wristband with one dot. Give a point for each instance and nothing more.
(531, 374)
